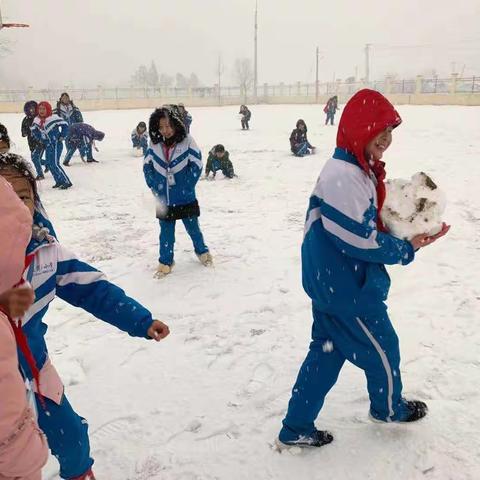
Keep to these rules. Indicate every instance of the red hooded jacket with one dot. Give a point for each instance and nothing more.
(48, 107)
(366, 115)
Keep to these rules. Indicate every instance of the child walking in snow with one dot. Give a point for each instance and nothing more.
(344, 253)
(331, 109)
(219, 159)
(55, 271)
(172, 167)
(246, 116)
(82, 136)
(299, 143)
(50, 130)
(187, 118)
(140, 137)
(23, 448)
(36, 148)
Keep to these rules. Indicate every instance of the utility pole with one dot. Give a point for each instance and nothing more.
(255, 62)
(367, 62)
(316, 76)
(219, 73)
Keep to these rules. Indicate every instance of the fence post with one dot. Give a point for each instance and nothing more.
(30, 93)
(100, 92)
(453, 83)
(388, 85)
(418, 84)
(265, 90)
(282, 88)
(473, 84)
(337, 85)
(299, 89)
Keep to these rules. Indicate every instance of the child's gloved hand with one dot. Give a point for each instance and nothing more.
(158, 330)
(17, 301)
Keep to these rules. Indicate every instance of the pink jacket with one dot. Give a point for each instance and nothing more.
(23, 450)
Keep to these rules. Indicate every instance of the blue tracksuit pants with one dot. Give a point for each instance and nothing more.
(140, 143)
(167, 238)
(301, 149)
(37, 160)
(53, 154)
(371, 344)
(67, 436)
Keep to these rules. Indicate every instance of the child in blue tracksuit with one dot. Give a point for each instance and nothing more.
(52, 270)
(67, 110)
(299, 144)
(172, 167)
(140, 137)
(50, 130)
(36, 148)
(344, 253)
(82, 136)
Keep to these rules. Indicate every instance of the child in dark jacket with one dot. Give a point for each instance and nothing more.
(36, 148)
(172, 167)
(246, 116)
(219, 159)
(55, 271)
(299, 143)
(82, 136)
(140, 137)
(187, 118)
(344, 253)
(331, 109)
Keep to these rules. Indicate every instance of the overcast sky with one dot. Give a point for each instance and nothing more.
(87, 42)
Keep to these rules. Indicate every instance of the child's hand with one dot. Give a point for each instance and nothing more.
(423, 240)
(158, 330)
(17, 301)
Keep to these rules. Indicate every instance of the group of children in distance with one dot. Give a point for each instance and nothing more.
(344, 253)
(47, 130)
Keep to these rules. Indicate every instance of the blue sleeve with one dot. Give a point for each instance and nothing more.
(85, 287)
(195, 164)
(362, 240)
(37, 134)
(149, 172)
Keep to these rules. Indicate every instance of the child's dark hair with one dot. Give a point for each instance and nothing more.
(218, 148)
(4, 134)
(11, 160)
(172, 113)
(301, 122)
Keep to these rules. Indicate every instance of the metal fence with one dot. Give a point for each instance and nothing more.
(417, 85)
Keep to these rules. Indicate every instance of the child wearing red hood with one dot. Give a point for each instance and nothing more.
(50, 130)
(344, 253)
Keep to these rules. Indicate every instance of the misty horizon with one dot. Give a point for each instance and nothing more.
(103, 42)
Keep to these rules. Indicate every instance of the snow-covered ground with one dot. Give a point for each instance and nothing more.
(207, 402)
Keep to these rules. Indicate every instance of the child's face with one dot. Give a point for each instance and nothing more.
(141, 130)
(4, 146)
(166, 128)
(21, 185)
(379, 144)
(65, 99)
(220, 154)
(301, 126)
(42, 111)
(31, 111)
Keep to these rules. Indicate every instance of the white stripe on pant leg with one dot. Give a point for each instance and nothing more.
(60, 169)
(386, 366)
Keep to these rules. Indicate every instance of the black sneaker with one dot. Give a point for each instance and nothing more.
(418, 410)
(92, 160)
(39, 177)
(318, 438)
(57, 185)
(65, 186)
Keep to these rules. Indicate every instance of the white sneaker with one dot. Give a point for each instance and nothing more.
(206, 259)
(163, 270)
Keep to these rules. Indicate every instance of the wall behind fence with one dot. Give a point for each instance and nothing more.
(419, 91)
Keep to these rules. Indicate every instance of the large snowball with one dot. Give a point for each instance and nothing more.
(413, 207)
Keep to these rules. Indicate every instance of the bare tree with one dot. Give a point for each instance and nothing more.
(244, 75)
(219, 71)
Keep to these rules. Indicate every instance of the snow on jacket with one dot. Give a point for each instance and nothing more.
(344, 253)
(184, 166)
(55, 271)
(82, 132)
(70, 113)
(52, 130)
(23, 450)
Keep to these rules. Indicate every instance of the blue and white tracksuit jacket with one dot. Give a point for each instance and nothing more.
(343, 265)
(50, 135)
(71, 114)
(55, 271)
(140, 141)
(173, 182)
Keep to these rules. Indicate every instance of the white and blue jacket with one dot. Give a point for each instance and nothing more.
(53, 129)
(57, 272)
(185, 166)
(343, 253)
